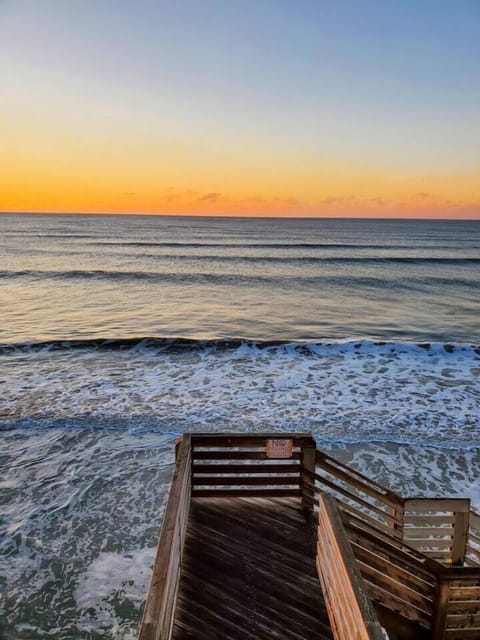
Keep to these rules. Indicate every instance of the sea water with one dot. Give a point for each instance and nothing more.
(118, 333)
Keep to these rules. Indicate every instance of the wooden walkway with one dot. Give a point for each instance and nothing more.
(248, 571)
(266, 537)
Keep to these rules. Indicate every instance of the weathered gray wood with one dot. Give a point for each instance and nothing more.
(308, 466)
(426, 513)
(249, 573)
(236, 493)
(460, 536)
(358, 480)
(245, 454)
(440, 608)
(160, 606)
(256, 480)
(261, 468)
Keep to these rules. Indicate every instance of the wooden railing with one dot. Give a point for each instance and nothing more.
(472, 554)
(159, 610)
(352, 616)
(415, 596)
(356, 493)
(442, 528)
(438, 527)
(458, 613)
(227, 465)
(402, 585)
(406, 549)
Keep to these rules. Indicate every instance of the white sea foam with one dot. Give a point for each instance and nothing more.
(344, 391)
(111, 582)
(87, 449)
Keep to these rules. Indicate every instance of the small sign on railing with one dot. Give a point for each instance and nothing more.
(279, 448)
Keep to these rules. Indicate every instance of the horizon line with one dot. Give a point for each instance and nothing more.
(235, 216)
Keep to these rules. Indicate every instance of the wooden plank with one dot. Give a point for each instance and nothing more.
(462, 634)
(308, 466)
(428, 520)
(441, 609)
(437, 505)
(463, 606)
(460, 537)
(463, 620)
(397, 604)
(358, 480)
(384, 513)
(247, 468)
(397, 570)
(236, 455)
(431, 544)
(373, 522)
(474, 520)
(396, 585)
(160, 606)
(248, 440)
(222, 493)
(261, 481)
(393, 548)
(350, 611)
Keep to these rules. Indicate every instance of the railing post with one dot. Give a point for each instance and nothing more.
(460, 536)
(178, 442)
(440, 608)
(308, 465)
(398, 512)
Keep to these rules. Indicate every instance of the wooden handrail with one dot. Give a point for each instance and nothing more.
(438, 527)
(159, 610)
(352, 616)
(237, 465)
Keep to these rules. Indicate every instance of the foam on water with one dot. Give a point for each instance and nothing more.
(360, 391)
(76, 503)
(86, 450)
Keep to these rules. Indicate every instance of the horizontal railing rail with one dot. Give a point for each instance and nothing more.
(438, 527)
(158, 616)
(229, 465)
(356, 493)
(401, 584)
(460, 594)
(413, 592)
(351, 613)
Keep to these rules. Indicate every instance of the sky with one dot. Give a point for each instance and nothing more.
(268, 107)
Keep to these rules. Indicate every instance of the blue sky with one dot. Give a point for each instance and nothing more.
(384, 84)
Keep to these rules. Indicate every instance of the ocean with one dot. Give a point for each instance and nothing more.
(118, 333)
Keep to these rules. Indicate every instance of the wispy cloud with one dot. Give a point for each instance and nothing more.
(213, 196)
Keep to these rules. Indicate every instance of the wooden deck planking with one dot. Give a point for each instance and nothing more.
(249, 572)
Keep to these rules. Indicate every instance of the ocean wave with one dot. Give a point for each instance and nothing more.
(267, 245)
(349, 280)
(222, 344)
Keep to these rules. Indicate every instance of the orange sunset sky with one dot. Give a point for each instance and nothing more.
(252, 108)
